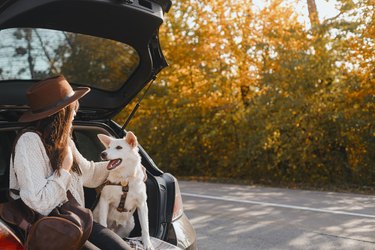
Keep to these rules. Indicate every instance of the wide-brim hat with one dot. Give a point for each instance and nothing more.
(49, 96)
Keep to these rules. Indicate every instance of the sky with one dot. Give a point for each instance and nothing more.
(326, 8)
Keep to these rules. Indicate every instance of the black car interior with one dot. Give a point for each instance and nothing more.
(6, 144)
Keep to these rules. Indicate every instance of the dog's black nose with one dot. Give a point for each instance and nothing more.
(103, 155)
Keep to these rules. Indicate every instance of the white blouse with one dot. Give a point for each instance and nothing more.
(41, 188)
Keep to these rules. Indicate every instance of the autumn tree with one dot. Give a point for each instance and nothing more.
(255, 94)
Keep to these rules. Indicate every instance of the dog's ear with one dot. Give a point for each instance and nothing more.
(105, 139)
(131, 139)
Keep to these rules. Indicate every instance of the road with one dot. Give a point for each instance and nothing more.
(249, 217)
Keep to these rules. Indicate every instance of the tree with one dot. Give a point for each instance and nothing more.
(256, 95)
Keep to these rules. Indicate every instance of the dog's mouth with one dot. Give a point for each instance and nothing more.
(113, 164)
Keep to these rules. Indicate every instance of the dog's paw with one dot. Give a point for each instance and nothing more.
(147, 245)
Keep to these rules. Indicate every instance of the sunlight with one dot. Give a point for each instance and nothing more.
(326, 9)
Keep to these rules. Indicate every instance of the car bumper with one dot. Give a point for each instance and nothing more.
(182, 234)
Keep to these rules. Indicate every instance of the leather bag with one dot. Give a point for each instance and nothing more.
(67, 227)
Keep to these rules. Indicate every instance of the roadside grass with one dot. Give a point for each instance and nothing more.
(348, 188)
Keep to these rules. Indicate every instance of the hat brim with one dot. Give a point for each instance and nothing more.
(29, 116)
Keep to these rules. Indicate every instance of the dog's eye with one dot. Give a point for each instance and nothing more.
(118, 147)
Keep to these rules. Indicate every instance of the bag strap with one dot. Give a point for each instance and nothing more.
(11, 211)
(71, 198)
(21, 132)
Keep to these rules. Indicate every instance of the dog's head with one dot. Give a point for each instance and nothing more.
(118, 149)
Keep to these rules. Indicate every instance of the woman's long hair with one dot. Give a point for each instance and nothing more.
(55, 132)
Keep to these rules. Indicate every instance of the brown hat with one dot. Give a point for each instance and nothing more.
(49, 96)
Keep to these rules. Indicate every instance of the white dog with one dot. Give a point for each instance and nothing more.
(125, 189)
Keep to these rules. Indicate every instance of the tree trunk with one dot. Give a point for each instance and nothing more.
(313, 13)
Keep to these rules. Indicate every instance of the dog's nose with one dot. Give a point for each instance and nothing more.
(103, 155)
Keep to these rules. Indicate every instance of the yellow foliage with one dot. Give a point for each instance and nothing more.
(260, 93)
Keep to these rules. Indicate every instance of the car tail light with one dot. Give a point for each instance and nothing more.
(177, 206)
(8, 240)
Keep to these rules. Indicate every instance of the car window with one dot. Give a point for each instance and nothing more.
(33, 53)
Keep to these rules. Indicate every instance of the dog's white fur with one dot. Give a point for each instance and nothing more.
(129, 170)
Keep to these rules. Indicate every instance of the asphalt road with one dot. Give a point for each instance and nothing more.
(248, 217)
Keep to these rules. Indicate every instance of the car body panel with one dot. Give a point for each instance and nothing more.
(182, 234)
(8, 240)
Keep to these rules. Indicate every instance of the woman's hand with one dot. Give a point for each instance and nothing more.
(68, 160)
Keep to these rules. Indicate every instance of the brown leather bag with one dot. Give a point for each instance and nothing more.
(66, 227)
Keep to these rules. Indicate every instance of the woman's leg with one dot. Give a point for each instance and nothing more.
(105, 238)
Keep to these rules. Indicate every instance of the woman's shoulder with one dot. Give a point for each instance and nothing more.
(29, 136)
(28, 142)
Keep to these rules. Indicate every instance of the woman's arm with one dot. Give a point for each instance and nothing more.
(93, 173)
(41, 188)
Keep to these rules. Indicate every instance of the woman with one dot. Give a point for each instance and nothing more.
(45, 163)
